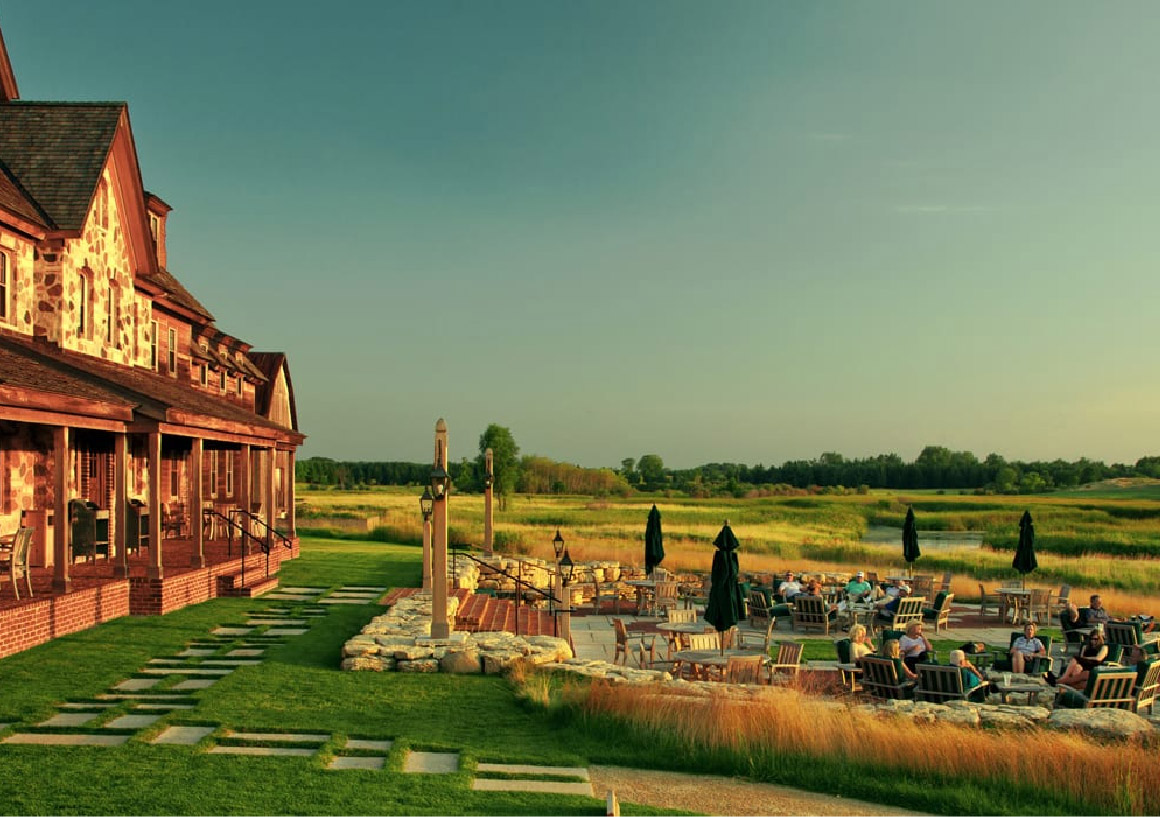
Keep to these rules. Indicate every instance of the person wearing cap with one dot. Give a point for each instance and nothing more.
(789, 588)
(858, 589)
(896, 588)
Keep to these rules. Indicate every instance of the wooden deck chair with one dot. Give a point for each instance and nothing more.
(909, 609)
(1035, 666)
(667, 597)
(681, 616)
(1107, 688)
(1041, 605)
(755, 639)
(945, 586)
(811, 612)
(986, 599)
(744, 669)
(1147, 685)
(16, 559)
(639, 641)
(940, 614)
(1064, 597)
(788, 662)
(1128, 634)
(851, 672)
(880, 680)
(758, 608)
(939, 684)
(603, 593)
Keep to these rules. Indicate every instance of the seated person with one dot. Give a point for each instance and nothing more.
(860, 645)
(1026, 646)
(858, 589)
(896, 588)
(1095, 613)
(891, 650)
(973, 680)
(789, 588)
(886, 613)
(914, 646)
(813, 588)
(1094, 652)
(1071, 619)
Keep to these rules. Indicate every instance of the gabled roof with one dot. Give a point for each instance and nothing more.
(164, 280)
(15, 200)
(268, 363)
(158, 394)
(56, 151)
(21, 367)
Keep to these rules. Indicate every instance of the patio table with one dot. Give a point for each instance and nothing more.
(714, 658)
(645, 590)
(1017, 684)
(1017, 602)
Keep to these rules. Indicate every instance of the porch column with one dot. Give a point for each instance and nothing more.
(244, 479)
(271, 511)
(440, 626)
(291, 516)
(61, 529)
(488, 479)
(120, 504)
(196, 524)
(155, 570)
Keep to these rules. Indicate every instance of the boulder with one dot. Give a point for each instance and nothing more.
(461, 662)
(368, 663)
(418, 665)
(1102, 722)
(496, 661)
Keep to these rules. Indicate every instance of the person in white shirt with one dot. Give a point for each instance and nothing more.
(789, 588)
(1026, 647)
(915, 647)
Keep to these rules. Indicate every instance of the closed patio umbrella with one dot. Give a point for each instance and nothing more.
(1025, 560)
(654, 548)
(910, 550)
(725, 601)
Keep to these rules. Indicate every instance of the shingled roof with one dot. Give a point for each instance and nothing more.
(22, 367)
(56, 150)
(181, 296)
(15, 200)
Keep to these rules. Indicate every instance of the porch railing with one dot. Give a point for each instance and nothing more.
(231, 522)
(553, 602)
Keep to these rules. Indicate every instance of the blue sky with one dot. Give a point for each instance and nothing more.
(737, 231)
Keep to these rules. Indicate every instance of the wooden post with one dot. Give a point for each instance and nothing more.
(488, 533)
(427, 554)
(61, 529)
(121, 504)
(245, 484)
(155, 569)
(271, 496)
(291, 494)
(440, 627)
(196, 517)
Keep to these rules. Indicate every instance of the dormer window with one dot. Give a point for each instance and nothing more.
(154, 228)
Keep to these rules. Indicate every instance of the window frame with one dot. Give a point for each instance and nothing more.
(172, 352)
(153, 340)
(5, 288)
(84, 318)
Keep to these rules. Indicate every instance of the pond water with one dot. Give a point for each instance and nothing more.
(887, 536)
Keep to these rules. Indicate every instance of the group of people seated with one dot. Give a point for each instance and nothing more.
(857, 589)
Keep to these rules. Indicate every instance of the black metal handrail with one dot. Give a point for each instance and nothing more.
(271, 531)
(551, 597)
(232, 524)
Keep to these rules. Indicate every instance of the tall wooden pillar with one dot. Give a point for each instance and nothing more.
(61, 529)
(155, 570)
(291, 516)
(440, 626)
(196, 516)
(121, 504)
(244, 478)
(271, 495)
(488, 479)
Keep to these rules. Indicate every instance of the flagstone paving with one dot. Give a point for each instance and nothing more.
(86, 705)
(183, 735)
(233, 631)
(133, 684)
(69, 719)
(195, 683)
(285, 631)
(244, 653)
(370, 745)
(132, 721)
(339, 763)
(431, 762)
(285, 737)
(540, 786)
(261, 751)
(67, 740)
(195, 653)
(525, 768)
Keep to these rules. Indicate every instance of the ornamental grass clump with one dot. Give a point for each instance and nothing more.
(761, 737)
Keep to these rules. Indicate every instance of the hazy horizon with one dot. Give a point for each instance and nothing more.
(740, 232)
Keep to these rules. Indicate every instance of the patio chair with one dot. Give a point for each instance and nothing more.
(83, 528)
(1041, 605)
(755, 639)
(851, 672)
(985, 599)
(1129, 634)
(1073, 636)
(1064, 597)
(625, 639)
(173, 520)
(1107, 688)
(1032, 667)
(939, 684)
(788, 662)
(15, 559)
(1147, 685)
(745, 669)
(667, 597)
(923, 585)
(676, 616)
(941, 612)
(605, 593)
(811, 612)
(880, 679)
(909, 609)
(758, 608)
(945, 586)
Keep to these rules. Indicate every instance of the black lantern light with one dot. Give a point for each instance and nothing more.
(440, 482)
(558, 545)
(567, 568)
(426, 503)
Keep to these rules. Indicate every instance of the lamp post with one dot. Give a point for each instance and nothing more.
(426, 504)
(566, 572)
(557, 588)
(488, 480)
(440, 488)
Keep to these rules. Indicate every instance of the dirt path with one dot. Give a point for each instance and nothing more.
(709, 794)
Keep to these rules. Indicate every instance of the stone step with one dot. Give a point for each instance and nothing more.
(261, 751)
(538, 786)
(287, 737)
(431, 762)
(131, 722)
(341, 762)
(185, 671)
(183, 735)
(67, 740)
(524, 768)
(252, 589)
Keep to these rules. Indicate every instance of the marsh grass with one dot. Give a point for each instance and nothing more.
(795, 738)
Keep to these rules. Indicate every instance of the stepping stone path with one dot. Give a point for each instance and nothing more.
(183, 735)
(69, 719)
(341, 762)
(135, 684)
(67, 740)
(132, 721)
(431, 762)
(529, 782)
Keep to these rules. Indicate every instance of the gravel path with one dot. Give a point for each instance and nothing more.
(708, 794)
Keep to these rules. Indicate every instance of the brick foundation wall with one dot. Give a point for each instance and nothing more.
(44, 619)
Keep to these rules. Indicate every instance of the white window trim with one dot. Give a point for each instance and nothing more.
(172, 352)
(153, 338)
(5, 288)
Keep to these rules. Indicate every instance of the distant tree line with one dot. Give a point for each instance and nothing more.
(935, 467)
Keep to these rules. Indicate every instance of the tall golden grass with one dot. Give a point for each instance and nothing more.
(1120, 778)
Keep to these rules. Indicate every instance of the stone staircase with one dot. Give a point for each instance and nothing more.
(482, 613)
(231, 585)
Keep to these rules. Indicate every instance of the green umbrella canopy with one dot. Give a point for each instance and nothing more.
(726, 603)
(654, 548)
(910, 550)
(1025, 560)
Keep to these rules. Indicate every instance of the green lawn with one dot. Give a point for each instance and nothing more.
(297, 687)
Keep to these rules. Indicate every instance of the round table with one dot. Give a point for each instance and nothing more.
(684, 627)
(1017, 602)
(714, 658)
(645, 589)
